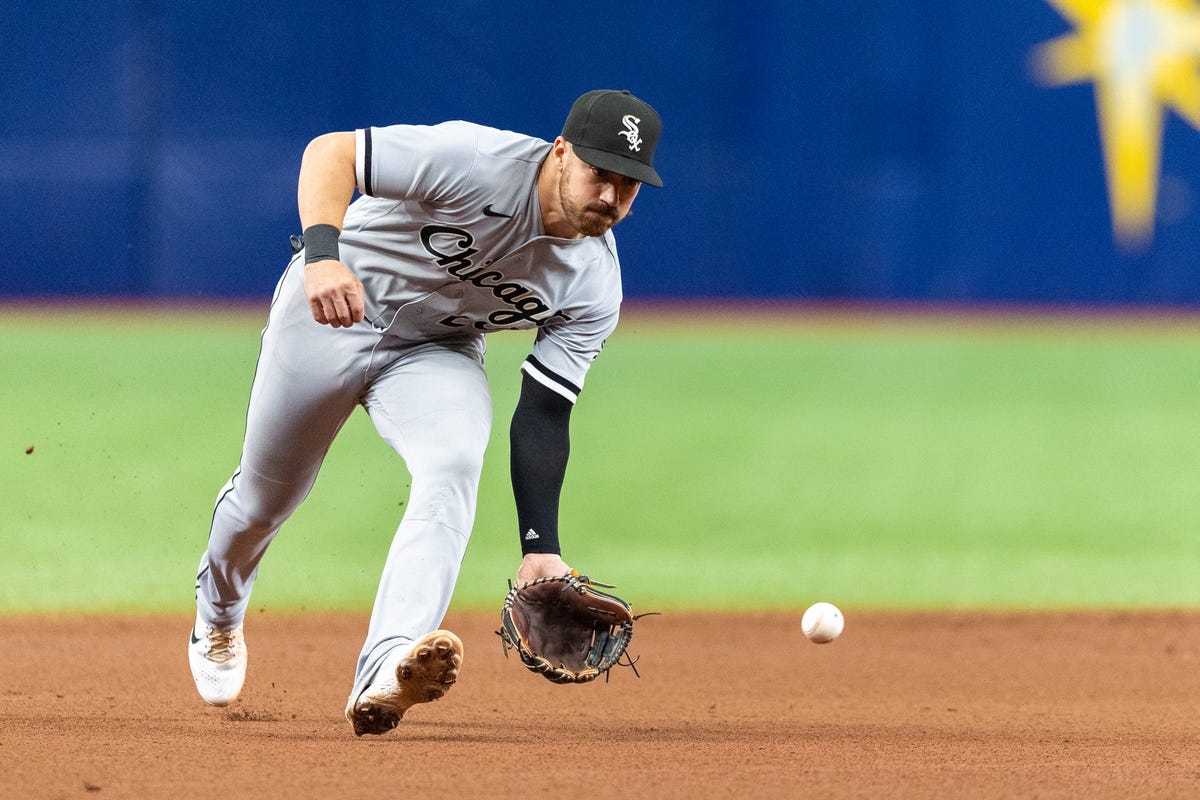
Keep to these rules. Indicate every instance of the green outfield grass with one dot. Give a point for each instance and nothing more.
(881, 461)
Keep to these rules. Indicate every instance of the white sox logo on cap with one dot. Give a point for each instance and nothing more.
(610, 129)
(631, 132)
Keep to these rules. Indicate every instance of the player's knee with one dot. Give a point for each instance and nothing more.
(451, 451)
(260, 504)
(450, 466)
(444, 489)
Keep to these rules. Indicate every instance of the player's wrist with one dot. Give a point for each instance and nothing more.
(321, 243)
(540, 549)
(539, 540)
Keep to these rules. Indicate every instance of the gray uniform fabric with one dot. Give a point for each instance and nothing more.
(447, 241)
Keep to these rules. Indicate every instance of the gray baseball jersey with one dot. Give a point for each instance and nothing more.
(448, 242)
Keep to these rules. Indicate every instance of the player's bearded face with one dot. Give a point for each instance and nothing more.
(594, 200)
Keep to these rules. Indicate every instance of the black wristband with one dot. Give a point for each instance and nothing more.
(321, 243)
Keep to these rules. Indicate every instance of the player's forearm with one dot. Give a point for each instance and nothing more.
(327, 180)
(540, 445)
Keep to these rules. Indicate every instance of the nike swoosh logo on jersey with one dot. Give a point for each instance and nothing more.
(488, 211)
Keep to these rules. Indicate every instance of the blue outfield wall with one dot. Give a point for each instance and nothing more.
(849, 150)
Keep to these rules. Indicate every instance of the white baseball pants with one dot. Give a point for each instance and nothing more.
(429, 401)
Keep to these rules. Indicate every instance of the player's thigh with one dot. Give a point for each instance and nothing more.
(290, 425)
(307, 382)
(433, 406)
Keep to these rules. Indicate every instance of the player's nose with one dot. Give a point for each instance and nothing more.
(610, 193)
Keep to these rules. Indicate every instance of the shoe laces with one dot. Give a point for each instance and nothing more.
(223, 645)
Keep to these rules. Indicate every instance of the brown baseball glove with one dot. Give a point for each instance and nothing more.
(565, 629)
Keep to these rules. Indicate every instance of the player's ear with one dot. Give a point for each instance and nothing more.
(559, 150)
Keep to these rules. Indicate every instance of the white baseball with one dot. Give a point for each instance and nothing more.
(822, 622)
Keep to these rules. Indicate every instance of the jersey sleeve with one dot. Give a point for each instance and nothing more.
(415, 162)
(563, 354)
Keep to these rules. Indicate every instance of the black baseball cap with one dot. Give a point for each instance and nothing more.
(613, 130)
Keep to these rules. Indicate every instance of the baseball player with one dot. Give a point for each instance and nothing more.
(459, 230)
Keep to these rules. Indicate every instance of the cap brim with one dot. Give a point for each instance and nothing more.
(629, 167)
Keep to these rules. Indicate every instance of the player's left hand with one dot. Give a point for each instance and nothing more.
(565, 629)
(541, 565)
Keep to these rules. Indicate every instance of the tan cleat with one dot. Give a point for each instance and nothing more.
(423, 675)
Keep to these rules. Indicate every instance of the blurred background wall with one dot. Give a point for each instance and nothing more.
(816, 150)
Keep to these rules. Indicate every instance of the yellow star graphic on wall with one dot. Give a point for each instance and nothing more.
(1142, 56)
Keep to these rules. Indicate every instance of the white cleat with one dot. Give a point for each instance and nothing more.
(218, 661)
(422, 675)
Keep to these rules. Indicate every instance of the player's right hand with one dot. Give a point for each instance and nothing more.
(335, 294)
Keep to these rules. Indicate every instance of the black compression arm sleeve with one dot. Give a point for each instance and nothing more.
(540, 443)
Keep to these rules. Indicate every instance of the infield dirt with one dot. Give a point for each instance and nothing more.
(1063, 705)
